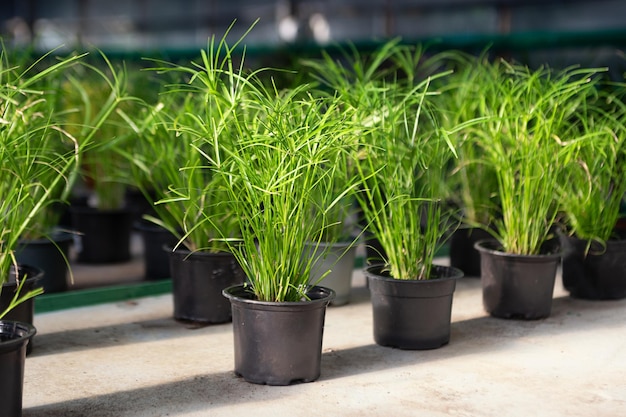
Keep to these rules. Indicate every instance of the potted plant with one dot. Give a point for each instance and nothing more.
(472, 185)
(589, 196)
(411, 297)
(104, 224)
(527, 113)
(283, 159)
(29, 178)
(276, 151)
(190, 202)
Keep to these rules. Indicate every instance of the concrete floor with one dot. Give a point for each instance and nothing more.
(132, 359)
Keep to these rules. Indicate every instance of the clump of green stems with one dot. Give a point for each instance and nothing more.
(87, 93)
(471, 183)
(35, 171)
(192, 122)
(594, 175)
(403, 153)
(282, 159)
(275, 155)
(527, 114)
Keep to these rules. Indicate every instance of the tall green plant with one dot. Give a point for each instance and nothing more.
(594, 175)
(283, 157)
(526, 113)
(34, 171)
(403, 172)
(403, 153)
(471, 183)
(197, 108)
(88, 95)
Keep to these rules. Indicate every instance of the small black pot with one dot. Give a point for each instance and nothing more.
(154, 239)
(463, 255)
(198, 279)
(14, 338)
(278, 343)
(598, 273)
(51, 256)
(104, 234)
(412, 314)
(25, 311)
(517, 286)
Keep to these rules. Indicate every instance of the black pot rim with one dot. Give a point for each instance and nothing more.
(241, 293)
(34, 275)
(90, 210)
(57, 236)
(183, 251)
(339, 244)
(493, 247)
(614, 241)
(18, 331)
(373, 271)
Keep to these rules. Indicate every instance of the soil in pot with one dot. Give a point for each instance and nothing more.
(339, 260)
(278, 343)
(104, 234)
(198, 279)
(517, 286)
(597, 272)
(14, 338)
(412, 314)
(51, 256)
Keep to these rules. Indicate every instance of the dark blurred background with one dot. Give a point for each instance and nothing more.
(590, 32)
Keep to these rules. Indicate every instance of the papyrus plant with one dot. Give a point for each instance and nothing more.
(528, 116)
(38, 155)
(593, 183)
(403, 153)
(196, 109)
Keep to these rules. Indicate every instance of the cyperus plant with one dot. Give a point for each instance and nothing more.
(280, 166)
(39, 156)
(527, 117)
(198, 103)
(593, 182)
(402, 154)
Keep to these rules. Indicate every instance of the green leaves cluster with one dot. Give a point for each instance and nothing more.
(39, 157)
(403, 153)
(529, 124)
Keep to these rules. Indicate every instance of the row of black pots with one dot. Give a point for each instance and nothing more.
(591, 271)
(521, 286)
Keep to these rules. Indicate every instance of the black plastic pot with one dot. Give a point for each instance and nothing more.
(104, 234)
(14, 338)
(198, 279)
(154, 239)
(51, 256)
(596, 273)
(338, 258)
(463, 255)
(25, 311)
(517, 286)
(278, 343)
(412, 314)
